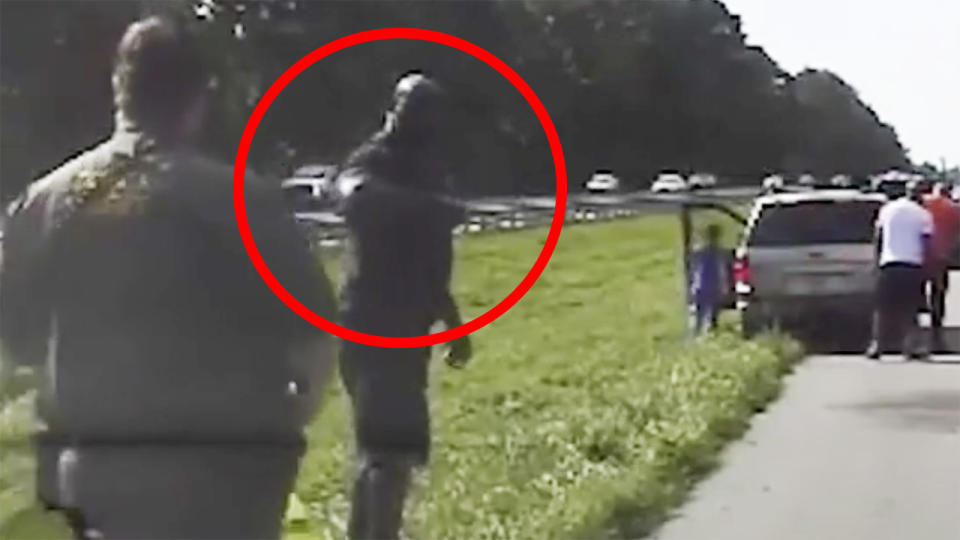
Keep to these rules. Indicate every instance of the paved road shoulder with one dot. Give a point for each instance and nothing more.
(853, 450)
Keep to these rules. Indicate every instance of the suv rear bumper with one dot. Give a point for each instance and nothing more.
(805, 308)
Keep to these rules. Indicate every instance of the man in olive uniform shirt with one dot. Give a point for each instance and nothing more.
(397, 269)
(176, 383)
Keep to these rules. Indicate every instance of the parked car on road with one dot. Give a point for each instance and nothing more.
(806, 265)
(602, 182)
(702, 181)
(669, 183)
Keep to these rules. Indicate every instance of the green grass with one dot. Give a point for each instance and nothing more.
(16, 465)
(584, 414)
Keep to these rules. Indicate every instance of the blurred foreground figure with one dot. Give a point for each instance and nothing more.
(903, 250)
(176, 384)
(397, 277)
(946, 233)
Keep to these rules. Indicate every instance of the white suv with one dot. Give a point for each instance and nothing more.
(806, 265)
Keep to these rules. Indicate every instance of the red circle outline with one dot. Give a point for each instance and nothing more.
(493, 313)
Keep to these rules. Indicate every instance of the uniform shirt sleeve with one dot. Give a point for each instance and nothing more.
(234, 282)
(287, 253)
(25, 307)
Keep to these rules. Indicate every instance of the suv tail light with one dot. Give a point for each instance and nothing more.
(741, 270)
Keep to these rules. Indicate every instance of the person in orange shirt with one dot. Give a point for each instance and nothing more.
(946, 233)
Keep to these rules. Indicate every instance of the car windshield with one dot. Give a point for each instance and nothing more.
(815, 222)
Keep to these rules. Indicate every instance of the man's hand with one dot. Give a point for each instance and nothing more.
(459, 352)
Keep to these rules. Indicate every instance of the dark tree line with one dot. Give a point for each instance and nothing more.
(633, 86)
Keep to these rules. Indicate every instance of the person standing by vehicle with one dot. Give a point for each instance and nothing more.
(176, 385)
(708, 280)
(398, 261)
(903, 248)
(946, 236)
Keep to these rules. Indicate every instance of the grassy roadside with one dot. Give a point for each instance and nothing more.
(584, 413)
(16, 460)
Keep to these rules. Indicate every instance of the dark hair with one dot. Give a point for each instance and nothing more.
(422, 109)
(158, 72)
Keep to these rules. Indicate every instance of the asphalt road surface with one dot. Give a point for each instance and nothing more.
(853, 450)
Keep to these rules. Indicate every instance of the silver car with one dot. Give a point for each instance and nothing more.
(806, 265)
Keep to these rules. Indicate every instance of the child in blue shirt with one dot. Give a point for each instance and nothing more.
(707, 280)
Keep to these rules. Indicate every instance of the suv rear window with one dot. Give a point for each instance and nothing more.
(815, 222)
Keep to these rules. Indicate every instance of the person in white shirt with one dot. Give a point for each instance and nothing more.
(903, 233)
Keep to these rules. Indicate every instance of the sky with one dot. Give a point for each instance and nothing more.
(902, 56)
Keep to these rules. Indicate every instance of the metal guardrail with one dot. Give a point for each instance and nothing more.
(499, 214)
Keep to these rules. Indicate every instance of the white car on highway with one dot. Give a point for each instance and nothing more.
(841, 181)
(806, 265)
(669, 183)
(807, 180)
(702, 181)
(602, 182)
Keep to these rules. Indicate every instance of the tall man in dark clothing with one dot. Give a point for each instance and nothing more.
(176, 384)
(397, 278)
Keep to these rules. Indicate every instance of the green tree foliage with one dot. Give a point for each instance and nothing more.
(838, 132)
(632, 86)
